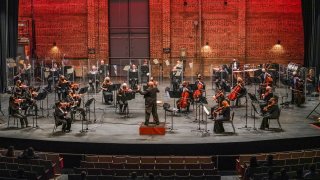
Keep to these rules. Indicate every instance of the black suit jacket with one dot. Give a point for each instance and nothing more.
(150, 95)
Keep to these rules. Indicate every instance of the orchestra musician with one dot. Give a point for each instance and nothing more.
(266, 97)
(224, 112)
(235, 65)
(294, 84)
(219, 97)
(176, 75)
(107, 91)
(74, 101)
(61, 116)
(94, 78)
(145, 71)
(121, 97)
(310, 80)
(133, 76)
(53, 77)
(270, 111)
(237, 92)
(14, 110)
(184, 101)
(62, 88)
(150, 96)
(30, 96)
(26, 71)
(199, 92)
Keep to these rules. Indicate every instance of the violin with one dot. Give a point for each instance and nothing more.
(218, 95)
(270, 104)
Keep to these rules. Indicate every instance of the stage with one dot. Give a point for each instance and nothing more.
(112, 133)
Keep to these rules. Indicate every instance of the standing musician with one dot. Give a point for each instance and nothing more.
(145, 71)
(26, 71)
(199, 93)
(294, 85)
(238, 91)
(235, 65)
(150, 96)
(184, 101)
(62, 88)
(121, 97)
(270, 111)
(176, 75)
(224, 112)
(94, 78)
(53, 77)
(133, 76)
(310, 81)
(107, 91)
(61, 115)
(14, 110)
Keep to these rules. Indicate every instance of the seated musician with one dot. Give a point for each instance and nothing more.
(310, 80)
(106, 90)
(184, 101)
(266, 97)
(235, 65)
(121, 97)
(133, 76)
(30, 100)
(20, 87)
(14, 110)
(94, 78)
(219, 97)
(61, 116)
(270, 111)
(224, 112)
(239, 91)
(75, 101)
(198, 94)
(62, 88)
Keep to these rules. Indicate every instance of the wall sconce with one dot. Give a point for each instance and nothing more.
(183, 52)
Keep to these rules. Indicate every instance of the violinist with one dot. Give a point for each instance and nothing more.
(75, 101)
(150, 96)
(199, 92)
(14, 110)
(61, 116)
(20, 88)
(30, 96)
(224, 112)
(62, 88)
(266, 97)
(107, 90)
(184, 101)
(121, 97)
(270, 111)
(219, 97)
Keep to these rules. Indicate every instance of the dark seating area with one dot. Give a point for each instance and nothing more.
(291, 162)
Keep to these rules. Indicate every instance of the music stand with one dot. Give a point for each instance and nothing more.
(115, 88)
(174, 95)
(254, 115)
(83, 90)
(87, 106)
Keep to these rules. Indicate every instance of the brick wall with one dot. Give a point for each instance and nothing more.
(242, 29)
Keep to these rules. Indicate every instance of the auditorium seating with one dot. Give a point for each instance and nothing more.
(163, 167)
(290, 161)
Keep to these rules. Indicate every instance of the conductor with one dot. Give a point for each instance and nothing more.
(150, 96)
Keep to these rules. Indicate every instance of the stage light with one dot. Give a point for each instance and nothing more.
(206, 48)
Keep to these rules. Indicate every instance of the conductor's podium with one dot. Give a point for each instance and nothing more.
(152, 129)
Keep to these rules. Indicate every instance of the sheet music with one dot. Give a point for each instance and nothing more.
(206, 110)
(115, 69)
(70, 71)
(126, 68)
(155, 61)
(191, 65)
(167, 62)
(178, 73)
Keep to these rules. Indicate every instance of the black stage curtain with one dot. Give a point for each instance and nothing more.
(8, 35)
(311, 24)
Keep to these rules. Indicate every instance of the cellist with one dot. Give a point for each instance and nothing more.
(238, 91)
(224, 112)
(184, 101)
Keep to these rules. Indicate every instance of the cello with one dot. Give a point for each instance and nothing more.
(183, 102)
(236, 90)
(198, 93)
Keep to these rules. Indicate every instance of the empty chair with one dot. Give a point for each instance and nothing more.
(177, 166)
(133, 159)
(207, 165)
(116, 166)
(163, 159)
(213, 177)
(74, 176)
(5, 173)
(191, 159)
(209, 171)
(92, 158)
(316, 159)
(131, 166)
(305, 161)
(167, 172)
(104, 177)
(193, 166)
(119, 159)
(162, 166)
(279, 162)
(12, 166)
(147, 159)
(102, 165)
(147, 166)
(177, 159)
(292, 161)
(105, 158)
